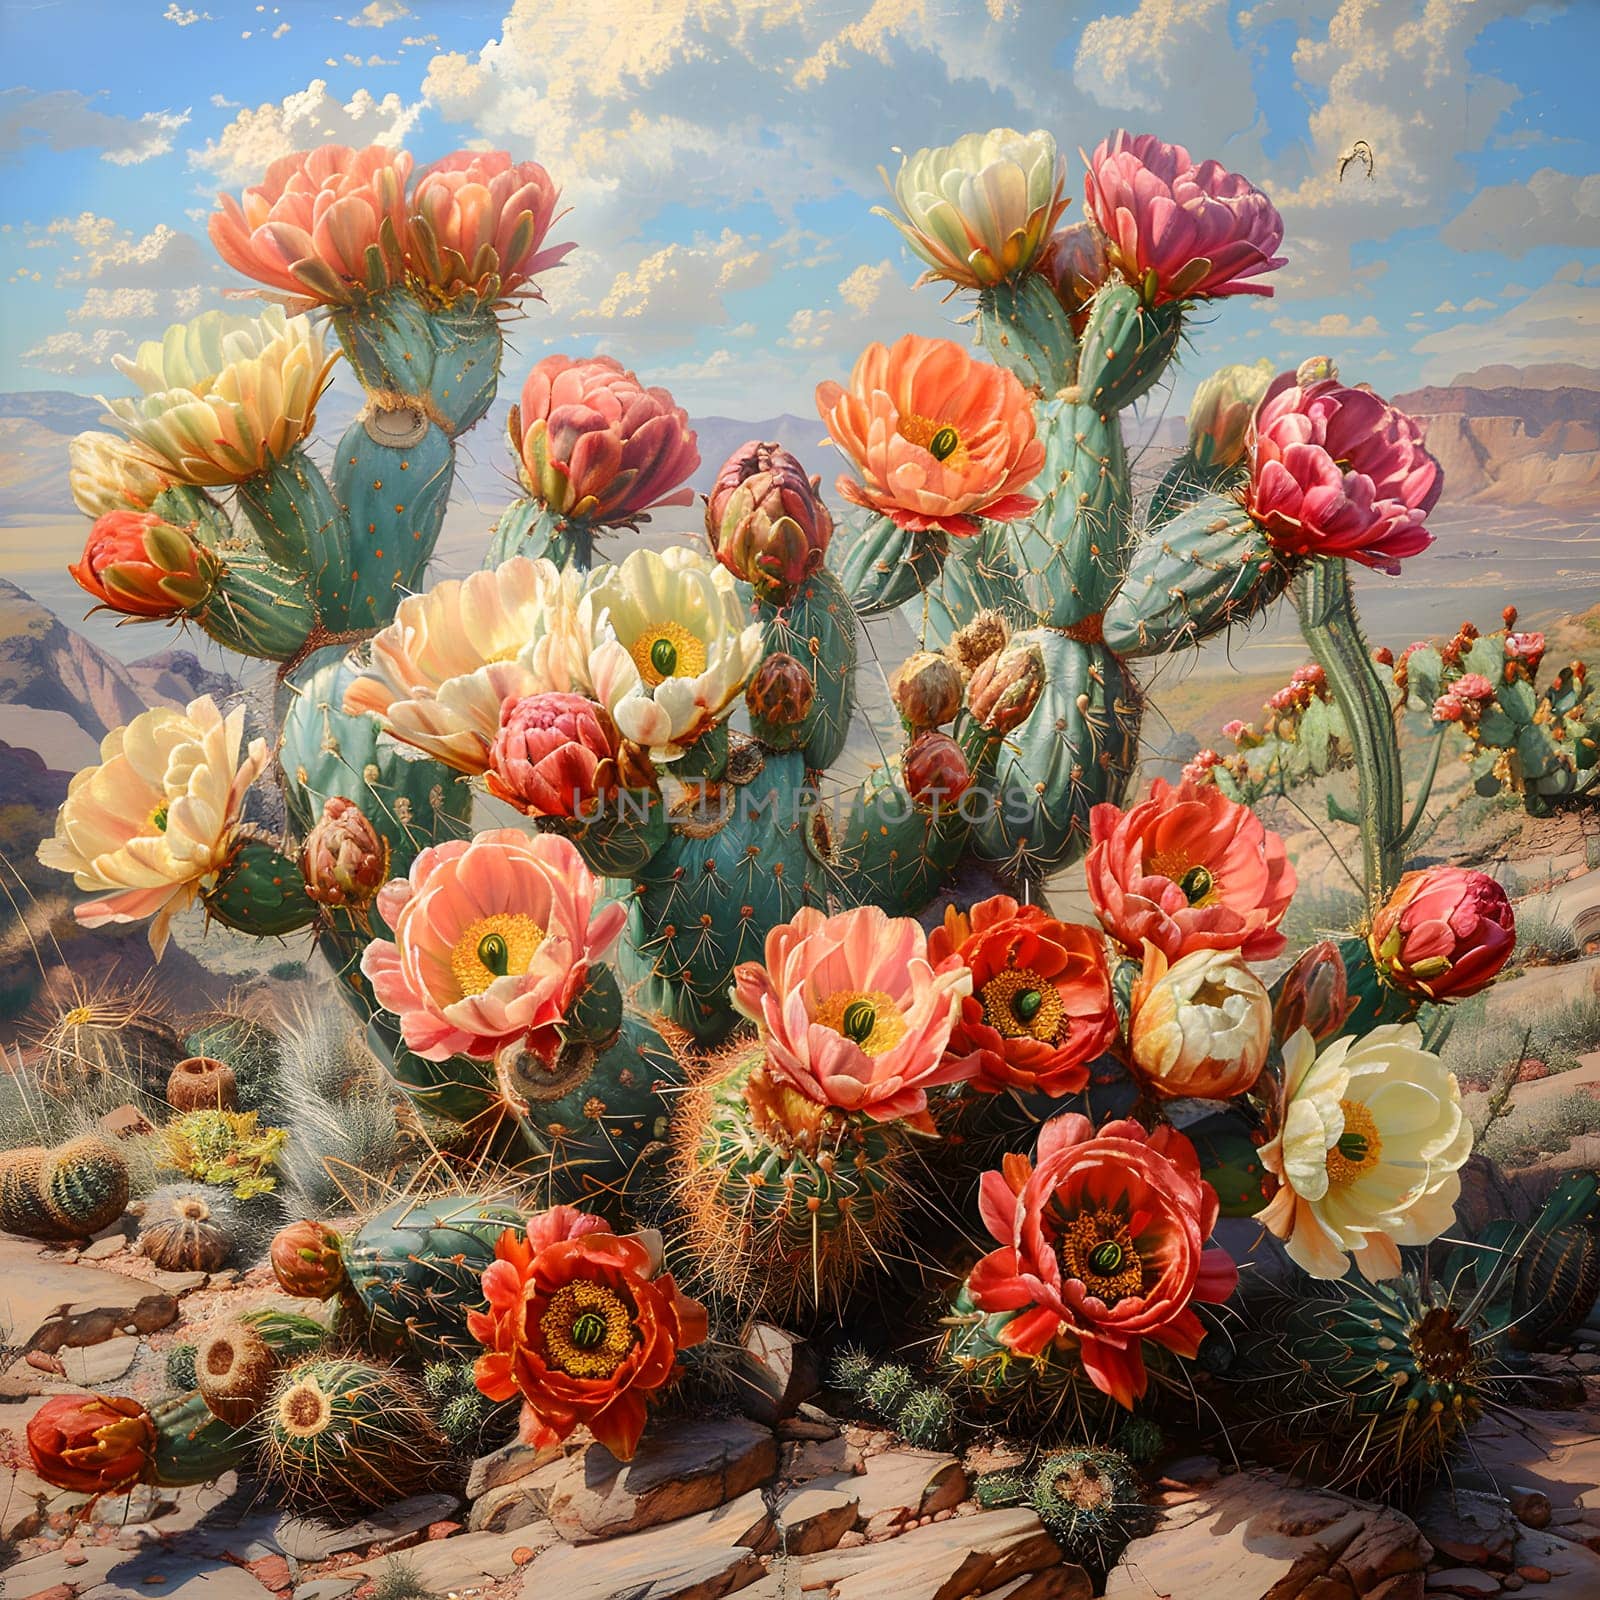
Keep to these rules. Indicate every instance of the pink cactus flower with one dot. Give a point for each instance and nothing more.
(597, 445)
(1102, 1245)
(853, 1014)
(1233, 731)
(479, 221)
(324, 226)
(1188, 869)
(493, 939)
(1444, 933)
(1180, 231)
(1340, 472)
(1447, 708)
(1472, 686)
(1527, 648)
(556, 755)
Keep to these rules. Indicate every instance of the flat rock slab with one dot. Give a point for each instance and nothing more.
(680, 1469)
(814, 1518)
(55, 1304)
(1574, 1568)
(506, 1465)
(944, 1561)
(470, 1559)
(1468, 1526)
(307, 1539)
(699, 1558)
(1253, 1534)
(1556, 1452)
(913, 1483)
(93, 1366)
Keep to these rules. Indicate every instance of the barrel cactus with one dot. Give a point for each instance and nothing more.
(70, 1192)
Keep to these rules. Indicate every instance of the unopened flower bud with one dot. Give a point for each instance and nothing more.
(344, 859)
(935, 771)
(1315, 369)
(1200, 1026)
(1314, 994)
(765, 521)
(1219, 417)
(1444, 933)
(978, 640)
(1004, 689)
(782, 692)
(927, 690)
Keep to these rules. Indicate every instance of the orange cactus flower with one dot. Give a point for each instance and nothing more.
(939, 437)
(90, 1443)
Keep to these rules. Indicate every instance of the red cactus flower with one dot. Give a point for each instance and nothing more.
(1527, 648)
(1336, 471)
(1472, 686)
(91, 1443)
(1444, 933)
(1188, 869)
(1448, 708)
(1040, 1009)
(141, 565)
(556, 755)
(595, 443)
(1183, 232)
(1102, 1243)
(584, 1326)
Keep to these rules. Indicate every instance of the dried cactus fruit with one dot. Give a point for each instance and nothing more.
(202, 1083)
(233, 1369)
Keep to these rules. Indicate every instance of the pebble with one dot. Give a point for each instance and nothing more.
(1534, 1574)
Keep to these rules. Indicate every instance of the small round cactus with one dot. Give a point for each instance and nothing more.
(233, 1368)
(851, 1369)
(1089, 1499)
(889, 1387)
(184, 1231)
(84, 1185)
(996, 1490)
(179, 1367)
(1140, 1440)
(927, 1419)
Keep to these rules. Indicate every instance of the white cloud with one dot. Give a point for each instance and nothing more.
(419, 41)
(63, 119)
(313, 116)
(1557, 322)
(379, 14)
(1446, 308)
(280, 30)
(73, 352)
(115, 305)
(1551, 208)
(183, 17)
(1335, 325)
(1478, 303)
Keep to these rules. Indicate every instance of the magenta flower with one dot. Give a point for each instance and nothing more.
(1444, 933)
(493, 940)
(596, 444)
(1180, 231)
(479, 222)
(1336, 471)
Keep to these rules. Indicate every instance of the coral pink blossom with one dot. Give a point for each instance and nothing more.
(584, 1325)
(1447, 708)
(493, 939)
(141, 565)
(852, 1012)
(1102, 1243)
(1339, 472)
(479, 221)
(1444, 933)
(1201, 231)
(1472, 686)
(325, 225)
(939, 437)
(1188, 869)
(596, 444)
(555, 755)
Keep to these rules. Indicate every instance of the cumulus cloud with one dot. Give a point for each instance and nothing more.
(74, 352)
(183, 17)
(1551, 208)
(1557, 322)
(1478, 303)
(63, 119)
(312, 116)
(115, 305)
(379, 14)
(1335, 325)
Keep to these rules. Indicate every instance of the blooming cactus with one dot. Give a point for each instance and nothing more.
(1198, 1027)
(324, 226)
(1371, 1138)
(155, 821)
(107, 473)
(978, 211)
(139, 564)
(1339, 472)
(1102, 1242)
(584, 1326)
(596, 444)
(940, 438)
(493, 940)
(91, 1444)
(853, 1013)
(559, 755)
(1179, 230)
(1444, 933)
(224, 396)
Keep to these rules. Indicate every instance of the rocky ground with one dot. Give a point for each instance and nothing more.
(800, 1504)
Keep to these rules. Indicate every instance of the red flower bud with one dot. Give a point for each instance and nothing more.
(765, 521)
(90, 1443)
(306, 1260)
(782, 692)
(344, 860)
(1314, 994)
(1004, 689)
(1444, 933)
(558, 755)
(141, 565)
(935, 771)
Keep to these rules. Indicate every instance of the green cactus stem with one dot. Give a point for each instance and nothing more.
(1025, 329)
(260, 891)
(291, 510)
(530, 528)
(1331, 627)
(885, 565)
(818, 629)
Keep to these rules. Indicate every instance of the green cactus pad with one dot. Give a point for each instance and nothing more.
(1127, 346)
(193, 1445)
(1230, 1161)
(885, 565)
(1024, 328)
(818, 629)
(260, 891)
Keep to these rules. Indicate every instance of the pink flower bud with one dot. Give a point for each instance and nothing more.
(557, 755)
(344, 859)
(1444, 933)
(765, 521)
(1313, 994)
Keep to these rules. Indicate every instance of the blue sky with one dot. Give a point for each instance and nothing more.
(720, 161)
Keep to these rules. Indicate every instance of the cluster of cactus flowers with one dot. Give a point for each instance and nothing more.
(697, 1017)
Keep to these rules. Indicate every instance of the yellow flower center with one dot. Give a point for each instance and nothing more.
(1359, 1147)
(1199, 883)
(77, 1017)
(939, 439)
(1019, 1004)
(869, 1017)
(588, 1330)
(158, 818)
(668, 650)
(493, 947)
(1097, 1250)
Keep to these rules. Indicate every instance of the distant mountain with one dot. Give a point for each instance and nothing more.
(56, 410)
(1513, 446)
(1541, 375)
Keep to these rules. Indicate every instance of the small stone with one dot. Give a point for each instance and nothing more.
(1532, 1574)
(1512, 1582)
(522, 1555)
(1463, 1581)
(1531, 1507)
(506, 1465)
(1468, 1526)
(114, 1244)
(777, 1371)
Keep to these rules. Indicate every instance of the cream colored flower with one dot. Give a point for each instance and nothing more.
(109, 474)
(665, 646)
(980, 210)
(441, 670)
(1199, 1027)
(1371, 1140)
(151, 826)
(223, 396)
